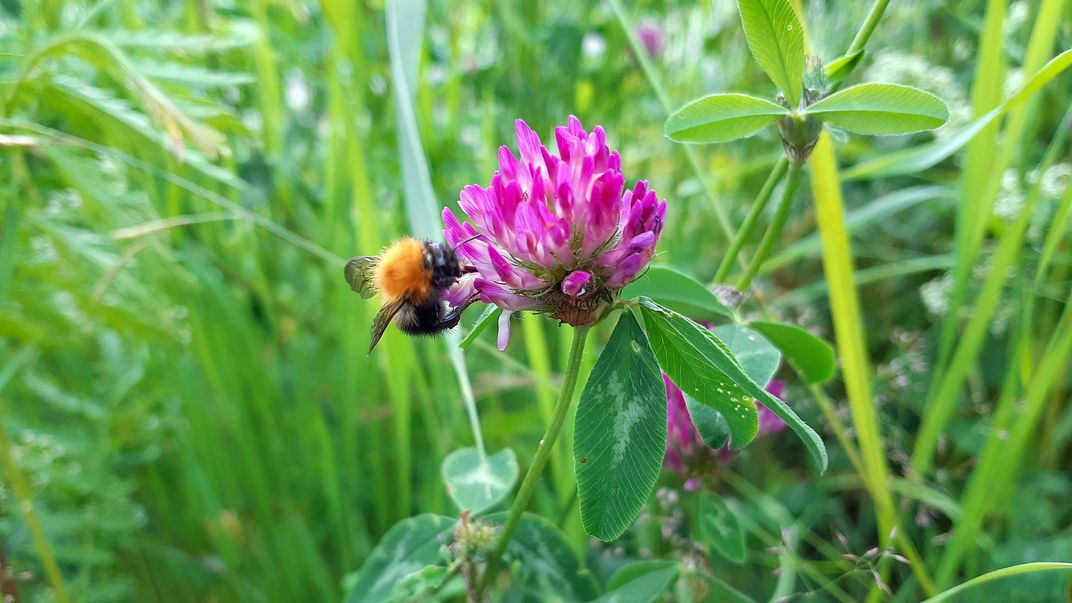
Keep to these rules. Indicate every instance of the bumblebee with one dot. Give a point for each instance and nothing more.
(410, 276)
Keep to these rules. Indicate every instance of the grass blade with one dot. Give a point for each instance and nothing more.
(404, 41)
(421, 209)
(943, 396)
(1024, 568)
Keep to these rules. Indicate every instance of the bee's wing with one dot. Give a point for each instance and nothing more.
(359, 273)
(382, 319)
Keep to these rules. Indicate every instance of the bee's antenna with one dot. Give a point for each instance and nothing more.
(463, 242)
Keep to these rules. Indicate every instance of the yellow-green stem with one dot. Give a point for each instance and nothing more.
(845, 308)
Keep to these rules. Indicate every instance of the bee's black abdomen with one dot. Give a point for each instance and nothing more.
(422, 319)
(428, 318)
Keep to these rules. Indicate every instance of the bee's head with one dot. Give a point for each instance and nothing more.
(442, 262)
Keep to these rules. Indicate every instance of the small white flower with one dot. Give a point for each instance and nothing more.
(1014, 80)
(297, 91)
(1016, 16)
(1010, 201)
(935, 294)
(1056, 180)
(593, 45)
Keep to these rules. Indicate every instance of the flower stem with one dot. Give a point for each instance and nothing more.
(745, 231)
(781, 214)
(543, 452)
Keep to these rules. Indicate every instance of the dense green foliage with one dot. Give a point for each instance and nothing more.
(187, 412)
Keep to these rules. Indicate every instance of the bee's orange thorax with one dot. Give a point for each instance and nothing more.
(402, 274)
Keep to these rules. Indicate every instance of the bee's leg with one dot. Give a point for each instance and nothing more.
(469, 270)
(451, 319)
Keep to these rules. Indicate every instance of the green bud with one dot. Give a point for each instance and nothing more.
(799, 135)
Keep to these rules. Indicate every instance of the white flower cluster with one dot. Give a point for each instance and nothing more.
(1013, 193)
(1010, 201)
(935, 294)
(1053, 185)
(1055, 181)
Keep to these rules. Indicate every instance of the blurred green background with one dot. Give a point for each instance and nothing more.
(183, 379)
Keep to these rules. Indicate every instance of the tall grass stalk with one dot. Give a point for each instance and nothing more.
(848, 328)
(994, 472)
(405, 23)
(973, 209)
(852, 347)
(980, 184)
(1005, 572)
(1007, 256)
